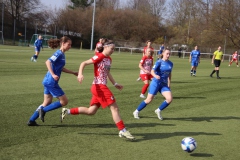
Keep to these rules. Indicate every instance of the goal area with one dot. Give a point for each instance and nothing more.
(45, 39)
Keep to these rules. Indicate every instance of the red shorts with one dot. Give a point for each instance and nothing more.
(101, 96)
(234, 59)
(146, 77)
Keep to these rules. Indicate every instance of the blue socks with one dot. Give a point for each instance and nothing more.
(141, 106)
(163, 105)
(52, 106)
(35, 114)
(35, 56)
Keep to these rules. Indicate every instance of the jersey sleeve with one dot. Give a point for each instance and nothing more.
(156, 65)
(54, 57)
(142, 60)
(35, 43)
(97, 58)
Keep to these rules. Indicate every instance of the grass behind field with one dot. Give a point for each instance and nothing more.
(204, 108)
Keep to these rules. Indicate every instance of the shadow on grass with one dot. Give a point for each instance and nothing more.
(189, 97)
(214, 77)
(201, 155)
(153, 136)
(110, 125)
(199, 119)
(181, 82)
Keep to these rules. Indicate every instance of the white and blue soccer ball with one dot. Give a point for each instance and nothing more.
(188, 144)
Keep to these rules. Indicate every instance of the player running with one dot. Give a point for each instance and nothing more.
(101, 95)
(145, 66)
(149, 45)
(38, 46)
(55, 65)
(161, 72)
(194, 59)
(234, 58)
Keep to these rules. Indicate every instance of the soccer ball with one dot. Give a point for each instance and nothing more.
(188, 144)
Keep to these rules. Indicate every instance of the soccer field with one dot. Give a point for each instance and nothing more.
(204, 108)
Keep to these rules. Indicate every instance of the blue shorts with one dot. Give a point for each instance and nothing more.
(195, 63)
(55, 91)
(37, 49)
(158, 87)
(159, 52)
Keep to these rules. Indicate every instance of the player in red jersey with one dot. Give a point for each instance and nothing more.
(101, 95)
(234, 58)
(99, 46)
(149, 43)
(145, 66)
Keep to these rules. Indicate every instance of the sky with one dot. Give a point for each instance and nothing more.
(54, 3)
(59, 3)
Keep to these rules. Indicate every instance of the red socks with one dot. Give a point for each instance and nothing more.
(144, 88)
(120, 125)
(74, 111)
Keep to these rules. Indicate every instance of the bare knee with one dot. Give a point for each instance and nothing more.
(169, 100)
(91, 112)
(64, 102)
(149, 99)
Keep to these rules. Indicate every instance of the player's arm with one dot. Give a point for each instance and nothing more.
(155, 75)
(156, 65)
(69, 71)
(49, 64)
(81, 68)
(199, 57)
(213, 57)
(141, 67)
(118, 86)
(190, 57)
(169, 79)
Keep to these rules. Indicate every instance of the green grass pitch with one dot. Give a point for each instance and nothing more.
(204, 108)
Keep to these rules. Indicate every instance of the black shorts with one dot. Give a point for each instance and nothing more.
(217, 62)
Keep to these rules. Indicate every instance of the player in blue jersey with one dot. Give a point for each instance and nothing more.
(161, 49)
(161, 72)
(194, 59)
(38, 46)
(55, 65)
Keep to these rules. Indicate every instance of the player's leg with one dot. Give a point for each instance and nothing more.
(168, 99)
(236, 61)
(119, 122)
(79, 110)
(47, 100)
(195, 68)
(216, 64)
(230, 63)
(153, 89)
(192, 66)
(145, 79)
(35, 56)
(57, 92)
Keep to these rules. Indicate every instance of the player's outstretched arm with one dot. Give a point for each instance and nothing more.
(81, 68)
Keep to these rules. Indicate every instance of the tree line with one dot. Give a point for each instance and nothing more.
(206, 23)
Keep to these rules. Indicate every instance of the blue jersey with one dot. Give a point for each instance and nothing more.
(161, 49)
(163, 69)
(195, 54)
(57, 64)
(38, 43)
